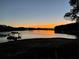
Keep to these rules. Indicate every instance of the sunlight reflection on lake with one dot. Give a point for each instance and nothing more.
(38, 34)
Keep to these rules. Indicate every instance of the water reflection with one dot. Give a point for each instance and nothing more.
(39, 34)
(44, 32)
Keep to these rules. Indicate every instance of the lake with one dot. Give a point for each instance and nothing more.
(37, 34)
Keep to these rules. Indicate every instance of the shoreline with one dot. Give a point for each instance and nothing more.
(32, 47)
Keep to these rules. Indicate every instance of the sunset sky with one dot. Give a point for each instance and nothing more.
(33, 12)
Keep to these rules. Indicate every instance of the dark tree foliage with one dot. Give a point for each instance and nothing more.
(73, 2)
(74, 12)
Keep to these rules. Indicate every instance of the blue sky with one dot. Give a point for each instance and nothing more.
(32, 11)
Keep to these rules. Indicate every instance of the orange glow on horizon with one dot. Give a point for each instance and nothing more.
(39, 26)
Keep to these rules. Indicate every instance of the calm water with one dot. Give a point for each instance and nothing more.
(37, 34)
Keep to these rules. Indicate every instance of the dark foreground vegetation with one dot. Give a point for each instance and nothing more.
(40, 48)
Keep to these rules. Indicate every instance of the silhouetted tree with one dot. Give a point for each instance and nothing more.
(74, 12)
